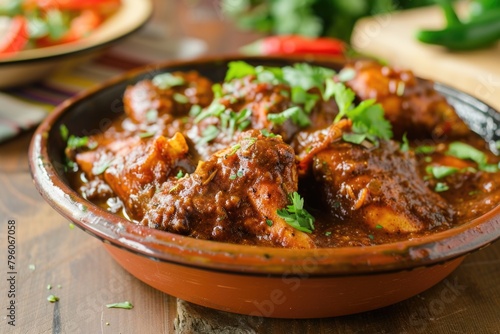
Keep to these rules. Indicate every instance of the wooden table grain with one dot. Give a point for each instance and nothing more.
(77, 269)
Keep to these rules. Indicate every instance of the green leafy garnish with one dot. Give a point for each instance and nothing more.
(425, 149)
(296, 216)
(180, 174)
(306, 76)
(63, 130)
(167, 80)
(208, 134)
(267, 134)
(440, 187)
(355, 138)
(328, 233)
(146, 134)
(239, 69)
(125, 305)
(467, 152)
(378, 226)
(369, 119)
(152, 116)
(295, 114)
(269, 222)
(182, 99)
(440, 172)
(75, 142)
(405, 145)
(52, 298)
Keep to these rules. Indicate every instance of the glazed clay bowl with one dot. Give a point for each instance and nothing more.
(259, 281)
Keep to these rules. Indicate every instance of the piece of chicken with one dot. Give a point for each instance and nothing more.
(411, 104)
(380, 187)
(234, 196)
(134, 174)
(148, 99)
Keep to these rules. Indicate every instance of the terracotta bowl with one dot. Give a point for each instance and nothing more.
(259, 281)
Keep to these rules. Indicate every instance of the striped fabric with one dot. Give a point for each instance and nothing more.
(25, 107)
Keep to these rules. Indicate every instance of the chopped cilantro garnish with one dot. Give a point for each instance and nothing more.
(378, 226)
(195, 110)
(124, 305)
(214, 109)
(269, 222)
(63, 130)
(101, 166)
(425, 149)
(75, 142)
(178, 97)
(440, 172)
(465, 151)
(152, 116)
(344, 97)
(296, 216)
(405, 145)
(232, 177)
(355, 138)
(167, 80)
(296, 114)
(306, 76)
(239, 173)
(328, 233)
(267, 134)
(346, 74)
(180, 174)
(371, 236)
(146, 134)
(209, 134)
(49, 287)
(52, 298)
(238, 69)
(440, 187)
(369, 119)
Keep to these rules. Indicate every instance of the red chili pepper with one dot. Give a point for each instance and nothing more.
(14, 37)
(295, 45)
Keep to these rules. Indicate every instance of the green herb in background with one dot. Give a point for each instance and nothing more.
(333, 18)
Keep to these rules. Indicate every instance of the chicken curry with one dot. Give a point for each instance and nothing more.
(298, 156)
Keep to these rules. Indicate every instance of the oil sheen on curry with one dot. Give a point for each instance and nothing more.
(298, 156)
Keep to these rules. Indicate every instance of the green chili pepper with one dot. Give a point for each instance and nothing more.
(482, 31)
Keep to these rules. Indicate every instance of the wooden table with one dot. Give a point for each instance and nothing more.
(85, 278)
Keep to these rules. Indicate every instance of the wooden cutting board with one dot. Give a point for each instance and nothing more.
(392, 37)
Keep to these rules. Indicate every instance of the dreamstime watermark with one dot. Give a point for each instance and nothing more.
(364, 36)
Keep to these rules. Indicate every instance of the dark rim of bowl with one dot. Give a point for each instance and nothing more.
(158, 245)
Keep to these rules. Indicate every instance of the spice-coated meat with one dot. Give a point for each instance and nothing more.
(411, 104)
(233, 196)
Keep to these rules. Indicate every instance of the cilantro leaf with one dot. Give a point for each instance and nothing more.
(125, 305)
(368, 118)
(344, 97)
(296, 216)
(405, 145)
(296, 114)
(440, 172)
(465, 151)
(440, 187)
(307, 76)
(167, 80)
(239, 69)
